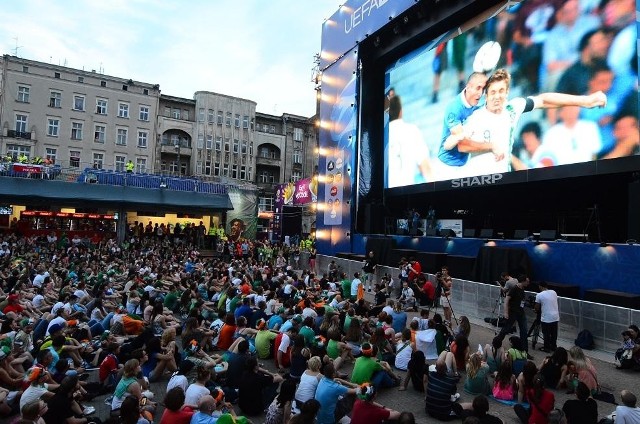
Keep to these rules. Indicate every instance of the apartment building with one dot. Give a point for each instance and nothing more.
(76, 118)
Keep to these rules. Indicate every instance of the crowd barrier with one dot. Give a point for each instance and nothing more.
(478, 300)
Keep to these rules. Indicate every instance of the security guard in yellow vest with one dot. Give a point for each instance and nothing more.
(129, 166)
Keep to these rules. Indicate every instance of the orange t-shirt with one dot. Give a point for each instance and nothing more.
(225, 338)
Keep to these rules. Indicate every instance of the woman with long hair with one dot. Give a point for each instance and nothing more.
(581, 369)
(225, 338)
(337, 350)
(308, 412)
(541, 400)
(525, 380)
(494, 354)
(309, 381)
(504, 386)
(477, 382)
(279, 411)
(385, 351)
(554, 368)
(128, 384)
(460, 349)
(464, 327)
(158, 361)
(130, 412)
(299, 356)
(417, 372)
(354, 336)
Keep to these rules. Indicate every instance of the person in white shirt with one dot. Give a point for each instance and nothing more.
(547, 306)
(628, 412)
(355, 284)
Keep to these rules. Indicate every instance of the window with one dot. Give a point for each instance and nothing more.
(243, 172)
(76, 130)
(175, 113)
(74, 158)
(200, 141)
(121, 138)
(207, 167)
(81, 79)
(25, 69)
(103, 83)
(53, 126)
(21, 123)
(56, 75)
(185, 114)
(297, 134)
(228, 120)
(272, 129)
(244, 147)
(234, 171)
(219, 121)
(145, 91)
(225, 170)
(296, 175)
(78, 102)
(101, 106)
(216, 169)
(251, 148)
(265, 204)
(245, 121)
(51, 154)
(123, 110)
(144, 113)
(209, 142)
(167, 111)
(141, 165)
(249, 174)
(99, 133)
(265, 177)
(98, 160)
(15, 150)
(125, 87)
(143, 136)
(120, 162)
(23, 94)
(227, 144)
(297, 156)
(201, 114)
(236, 122)
(297, 145)
(218, 143)
(55, 99)
(210, 116)
(236, 145)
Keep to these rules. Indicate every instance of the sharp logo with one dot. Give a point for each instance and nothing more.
(476, 181)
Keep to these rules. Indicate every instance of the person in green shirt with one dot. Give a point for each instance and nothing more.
(171, 299)
(307, 332)
(369, 370)
(264, 339)
(346, 286)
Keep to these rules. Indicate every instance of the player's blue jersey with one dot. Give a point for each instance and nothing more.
(456, 113)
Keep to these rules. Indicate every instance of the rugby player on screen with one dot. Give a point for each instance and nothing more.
(494, 124)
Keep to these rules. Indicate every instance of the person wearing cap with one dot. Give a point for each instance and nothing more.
(366, 411)
(38, 388)
(264, 339)
(547, 306)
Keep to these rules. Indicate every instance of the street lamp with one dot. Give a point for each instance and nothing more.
(177, 147)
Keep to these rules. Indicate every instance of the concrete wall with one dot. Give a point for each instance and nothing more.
(478, 300)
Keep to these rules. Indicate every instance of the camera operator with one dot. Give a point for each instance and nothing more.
(507, 282)
(514, 311)
(547, 306)
(445, 284)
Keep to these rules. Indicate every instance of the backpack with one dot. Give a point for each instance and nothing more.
(585, 340)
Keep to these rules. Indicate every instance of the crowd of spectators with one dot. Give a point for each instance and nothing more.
(155, 311)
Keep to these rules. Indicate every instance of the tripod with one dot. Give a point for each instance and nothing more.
(534, 331)
(497, 307)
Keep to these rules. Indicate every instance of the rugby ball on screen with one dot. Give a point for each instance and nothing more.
(487, 57)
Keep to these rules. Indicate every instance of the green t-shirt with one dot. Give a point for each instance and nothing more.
(263, 343)
(346, 288)
(479, 385)
(309, 336)
(364, 369)
(332, 349)
(234, 304)
(171, 299)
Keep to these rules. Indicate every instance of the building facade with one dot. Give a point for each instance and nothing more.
(76, 118)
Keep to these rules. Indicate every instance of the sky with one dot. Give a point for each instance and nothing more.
(261, 50)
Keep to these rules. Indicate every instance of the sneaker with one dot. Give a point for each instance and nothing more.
(455, 397)
(88, 410)
(108, 400)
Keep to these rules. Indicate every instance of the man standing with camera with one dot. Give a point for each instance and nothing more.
(445, 284)
(547, 307)
(514, 311)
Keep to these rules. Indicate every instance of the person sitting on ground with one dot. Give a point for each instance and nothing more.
(328, 393)
(417, 372)
(441, 393)
(32, 412)
(628, 412)
(128, 384)
(463, 328)
(554, 368)
(504, 386)
(461, 351)
(337, 350)
(308, 412)
(366, 411)
(479, 409)
(257, 388)
(176, 412)
(179, 378)
(625, 353)
(130, 413)
(525, 380)
(494, 354)
(583, 410)
(404, 349)
(368, 370)
(38, 389)
(581, 369)
(279, 411)
(477, 381)
(541, 400)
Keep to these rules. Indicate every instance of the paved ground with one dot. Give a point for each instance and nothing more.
(611, 379)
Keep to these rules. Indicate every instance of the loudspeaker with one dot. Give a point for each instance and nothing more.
(469, 233)
(430, 232)
(486, 233)
(520, 234)
(547, 235)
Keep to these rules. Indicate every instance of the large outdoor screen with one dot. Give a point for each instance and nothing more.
(542, 84)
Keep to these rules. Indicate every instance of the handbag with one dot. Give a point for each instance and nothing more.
(600, 394)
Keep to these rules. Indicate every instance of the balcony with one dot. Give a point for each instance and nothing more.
(185, 150)
(270, 160)
(19, 134)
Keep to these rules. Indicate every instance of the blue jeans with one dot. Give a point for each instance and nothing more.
(381, 379)
(95, 327)
(40, 329)
(106, 320)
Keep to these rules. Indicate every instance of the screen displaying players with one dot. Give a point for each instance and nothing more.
(544, 83)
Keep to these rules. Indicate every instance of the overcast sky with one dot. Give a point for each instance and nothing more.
(260, 50)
